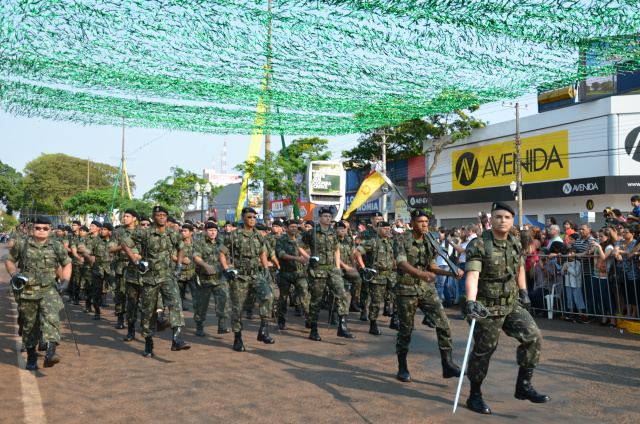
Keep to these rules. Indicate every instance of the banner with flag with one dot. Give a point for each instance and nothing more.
(374, 186)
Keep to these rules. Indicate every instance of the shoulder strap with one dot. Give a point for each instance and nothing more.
(487, 238)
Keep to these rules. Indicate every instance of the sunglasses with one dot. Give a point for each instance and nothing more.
(41, 228)
(145, 225)
(250, 216)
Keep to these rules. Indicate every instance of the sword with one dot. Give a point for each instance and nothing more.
(71, 328)
(464, 364)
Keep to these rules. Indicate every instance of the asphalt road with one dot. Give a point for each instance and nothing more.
(591, 373)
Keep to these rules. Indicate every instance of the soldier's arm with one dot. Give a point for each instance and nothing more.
(357, 257)
(118, 247)
(66, 246)
(404, 266)
(522, 279)
(471, 285)
(473, 266)
(12, 259)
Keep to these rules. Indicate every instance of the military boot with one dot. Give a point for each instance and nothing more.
(131, 333)
(449, 369)
(70, 298)
(161, 323)
(298, 311)
(353, 306)
(363, 314)
(524, 389)
(200, 329)
(263, 332)
(403, 370)
(51, 357)
(238, 346)
(475, 401)
(343, 331)
(148, 347)
(427, 321)
(20, 325)
(222, 328)
(387, 309)
(88, 307)
(282, 323)
(76, 300)
(250, 314)
(42, 346)
(334, 318)
(120, 324)
(393, 322)
(32, 359)
(292, 303)
(104, 301)
(313, 335)
(97, 315)
(184, 307)
(373, 328)
(307, 323)
(178, 343)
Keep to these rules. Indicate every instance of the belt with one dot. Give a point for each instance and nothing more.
(188, 271)
(410, 280)
(208, 277)
(495, 302)
(36, 288)
(384, 272)
(101, 263)
(323, 267)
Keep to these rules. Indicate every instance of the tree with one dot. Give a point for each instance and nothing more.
(442, 129)
(284, 176)
(7, 223)
(11, 188)
(89, 202)
(53, 178)
(176, 191)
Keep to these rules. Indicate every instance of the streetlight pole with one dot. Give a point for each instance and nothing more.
(197, 189)
(207, 189)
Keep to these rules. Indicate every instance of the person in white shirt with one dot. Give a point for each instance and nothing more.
(572, 271)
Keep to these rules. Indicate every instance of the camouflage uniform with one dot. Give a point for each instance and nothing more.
(101, 271)
(269, 276)
(215, 285)
(368, 234)
(122, 262)
(378, 254)
(39, 301)
(323, 244)
(77, 283)
(188, 275)
(245, 248)
(291, 275)
(347, 246)
(412, 293)
(156, 248)
(498, 292)
(85, 270)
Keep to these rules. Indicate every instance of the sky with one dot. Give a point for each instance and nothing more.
(150, 153)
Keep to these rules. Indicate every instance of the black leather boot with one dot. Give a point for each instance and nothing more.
(104, 301)
(298, 312)
(403, 370)
(387, 309)
(524, 389)
(148, 347)
(120, 324)
(51, 357)
(76, 300)
(393, 322)
(449, 369)
(20, 323)
(282, 323)
(42, 346)
(307, 323)
(373, 329)
(250, 314)
(334, 319)
(131, 333)
(184, 307)
(427, 321)
(88, 307)
(363, 314)
(343, 331)
(353, 306)
(292, 303)
(222, 328)
(200, 329)
(97, 315)
(313, 335)
(161, 323)
(475, 401)
(238, 346)
(263, 332)
(32, 359)
(178, 343)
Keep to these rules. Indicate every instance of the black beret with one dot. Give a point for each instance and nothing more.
(322, 211)
(210, 224)
(160, 209)
(67, 228)
(211, 219)
(41, 219)
(188, 221)
(341, 225)
(377, 214)
(108, 226)
(261, 227)
(96, 223)
(383, 224)
(132, 213)
(248, 210)
(234, 224)
(187, 226)
(416, 213)
(61, 227)
(84, 228)
(144, 218)
(172, 220)
(277, 223)
(77, 222)
(496, 206)
(309, 222)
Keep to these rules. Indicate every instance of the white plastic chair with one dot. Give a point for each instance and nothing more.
(556, 293)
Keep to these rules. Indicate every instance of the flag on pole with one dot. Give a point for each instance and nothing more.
(373, 187)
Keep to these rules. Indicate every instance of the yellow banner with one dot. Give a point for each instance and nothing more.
(544, 158)
(126, 176)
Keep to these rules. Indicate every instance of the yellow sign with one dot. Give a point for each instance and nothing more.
(402, 211)
(544, 158)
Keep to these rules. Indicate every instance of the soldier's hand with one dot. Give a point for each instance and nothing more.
(460, 274)
(178, 271)
(303, 260)
(18, 281)
(476, 310)
(523, 299)
(314, 260)
(231, 274)
(186, 261)
(92, 259)
(62, 286)
(81, 259)
(427, 276)
(211, 270)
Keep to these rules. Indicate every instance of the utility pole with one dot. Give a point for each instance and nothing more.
(384, 170)
(267, 137)
(518, 163)
(88, 163)
(122, 163)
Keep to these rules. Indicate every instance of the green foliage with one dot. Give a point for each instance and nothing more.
(11, 188)
(143, 207)
(89, 202)
(176, 191)
(7, 223)
(51, 179)
(280, 173)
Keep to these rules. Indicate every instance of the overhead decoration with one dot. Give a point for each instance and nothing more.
(333, 67)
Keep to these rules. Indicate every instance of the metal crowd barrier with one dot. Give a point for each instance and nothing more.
(614, 296)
